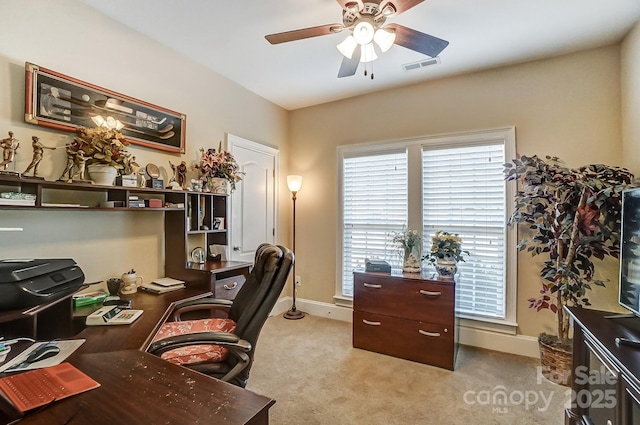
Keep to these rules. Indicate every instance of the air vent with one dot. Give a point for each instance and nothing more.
(421, 64)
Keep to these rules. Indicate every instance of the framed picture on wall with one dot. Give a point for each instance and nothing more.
(65, 103)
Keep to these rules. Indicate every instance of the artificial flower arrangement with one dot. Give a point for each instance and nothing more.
(407, 241)
(218, 164)
(102, 145)
(446, 245)
(410, 244)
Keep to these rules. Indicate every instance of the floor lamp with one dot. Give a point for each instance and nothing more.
(294, 183)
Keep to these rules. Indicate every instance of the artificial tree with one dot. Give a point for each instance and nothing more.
(573, 215)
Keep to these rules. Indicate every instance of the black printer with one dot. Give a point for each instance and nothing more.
(27, 283)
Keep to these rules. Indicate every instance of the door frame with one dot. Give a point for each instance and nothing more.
(233, 141)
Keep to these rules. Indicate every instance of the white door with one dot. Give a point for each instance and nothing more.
(253, 214)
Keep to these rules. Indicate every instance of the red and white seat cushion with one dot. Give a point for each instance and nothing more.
(194, 354)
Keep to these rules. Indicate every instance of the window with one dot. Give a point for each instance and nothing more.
(374, 203)
(463, 192)
(453, 183)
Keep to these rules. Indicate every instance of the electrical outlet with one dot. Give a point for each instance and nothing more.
(298, 281)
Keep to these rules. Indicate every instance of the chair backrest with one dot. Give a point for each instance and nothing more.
(259, 294)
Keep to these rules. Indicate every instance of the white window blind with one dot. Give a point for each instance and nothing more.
(464, 193)
(374, 204)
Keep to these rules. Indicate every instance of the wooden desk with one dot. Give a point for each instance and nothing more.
(139, 388)
(137, 336)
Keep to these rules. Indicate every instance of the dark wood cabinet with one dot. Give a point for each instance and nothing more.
(605, 387)
(406, 315)
(191, 220)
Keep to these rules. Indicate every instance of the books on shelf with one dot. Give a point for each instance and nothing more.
(18, 202)
(50, 204)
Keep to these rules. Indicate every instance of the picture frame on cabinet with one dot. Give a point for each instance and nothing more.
(65, 103)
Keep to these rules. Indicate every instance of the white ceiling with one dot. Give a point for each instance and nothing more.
(228, 37)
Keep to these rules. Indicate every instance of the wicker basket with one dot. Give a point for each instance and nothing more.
(556, 364)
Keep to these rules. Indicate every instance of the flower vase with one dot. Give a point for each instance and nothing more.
(104, 175)
(217, 185)
(446, 267)
(412, 259)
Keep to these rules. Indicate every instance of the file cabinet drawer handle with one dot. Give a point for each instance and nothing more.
(372, 285)
(436, 334)
(430, 293)
(368, 322)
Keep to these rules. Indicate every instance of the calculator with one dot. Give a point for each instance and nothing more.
(112, 315)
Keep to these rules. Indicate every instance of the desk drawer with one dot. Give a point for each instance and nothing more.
(405, 298)
(422, 342)
(227, 289)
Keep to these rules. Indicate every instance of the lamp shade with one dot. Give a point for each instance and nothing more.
(363, 32)
(384, 38)
(347, 47)
(368, 53)
(294, 183)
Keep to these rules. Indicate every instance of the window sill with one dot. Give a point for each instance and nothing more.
(488, 324)
(342, 301)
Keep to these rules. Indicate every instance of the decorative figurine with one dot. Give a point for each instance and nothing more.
(72, 151)
(130, 166)
(38, 150)
(173, 184)
(143, 179)
(79, 163)
(182, 175)
(9, 147)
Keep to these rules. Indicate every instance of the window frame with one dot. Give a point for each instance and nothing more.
(414, 147)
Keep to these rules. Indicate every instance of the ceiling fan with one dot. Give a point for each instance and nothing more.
(365, 20)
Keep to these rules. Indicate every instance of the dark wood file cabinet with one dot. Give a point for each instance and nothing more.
(406, 315)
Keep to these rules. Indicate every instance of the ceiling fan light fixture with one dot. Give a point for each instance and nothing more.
(353, 8)
(347, 47)
(368, 53)
(384, 38)
(388, 10)
(363, 32)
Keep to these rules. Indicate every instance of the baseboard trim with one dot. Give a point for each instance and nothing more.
(520, 345)
(315, 308)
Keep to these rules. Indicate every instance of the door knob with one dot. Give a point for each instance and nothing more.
(236, 248)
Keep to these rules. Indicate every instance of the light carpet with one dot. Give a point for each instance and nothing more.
(316, 377)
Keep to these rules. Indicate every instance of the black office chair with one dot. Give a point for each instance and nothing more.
(224, 347)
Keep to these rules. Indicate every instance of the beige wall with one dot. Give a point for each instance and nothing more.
(631, 100)
(73, 39)
(567, 106)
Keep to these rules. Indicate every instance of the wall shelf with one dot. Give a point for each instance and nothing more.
(182, 230)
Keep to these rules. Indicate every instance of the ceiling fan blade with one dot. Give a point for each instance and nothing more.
(284, 37)
(399, 5)
(418, 41)
(348, 66)
(345, 3)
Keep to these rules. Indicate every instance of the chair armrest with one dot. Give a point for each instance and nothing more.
(223, 339)
(201, 304)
